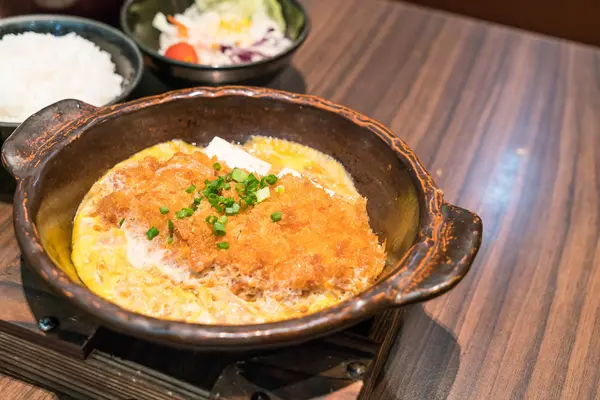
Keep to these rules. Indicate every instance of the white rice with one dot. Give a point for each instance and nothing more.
(37, 70)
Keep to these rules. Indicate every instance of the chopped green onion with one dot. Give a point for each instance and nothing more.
(250, 199)
(211, 219)
(164, 210)
(196, 202)
(251, 183)
(212, 198)
(228, 178)
(214, 186)
(240, 188)
(218, 183)
(262, 194)
(217, 166)
(219, 229)
(252, 186)
(190, 189)
(279, 189)
(276, 216)
(271, 179)
(227, 186)
(223, 245)
(152, 233)
(170, 240)
(121, 222)
(171, 226)
(184, 212)
(238, 175)
(251, 178)
(222, 219)
(234, 209)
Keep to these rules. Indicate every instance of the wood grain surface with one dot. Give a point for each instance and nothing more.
(508, 122)
(568, 19)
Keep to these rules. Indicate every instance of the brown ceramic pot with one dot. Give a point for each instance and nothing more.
(59, 152)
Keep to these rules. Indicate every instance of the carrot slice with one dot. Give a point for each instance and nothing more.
(182, 30)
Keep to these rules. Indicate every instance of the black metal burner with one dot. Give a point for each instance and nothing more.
(64, 350)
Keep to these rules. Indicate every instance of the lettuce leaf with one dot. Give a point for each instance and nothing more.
(245, 8)
(273, 10)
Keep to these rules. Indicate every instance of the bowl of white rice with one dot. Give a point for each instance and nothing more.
(47, 58)
(216, 42)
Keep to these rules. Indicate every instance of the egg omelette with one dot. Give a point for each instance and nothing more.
(227, 234)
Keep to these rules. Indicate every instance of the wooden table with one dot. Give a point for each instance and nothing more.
(508, 122)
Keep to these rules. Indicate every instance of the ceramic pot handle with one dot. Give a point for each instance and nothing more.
(459, 242)
(38, 135)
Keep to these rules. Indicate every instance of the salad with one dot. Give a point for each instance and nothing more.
(223, 32)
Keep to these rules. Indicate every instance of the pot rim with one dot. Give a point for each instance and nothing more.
(394, 290)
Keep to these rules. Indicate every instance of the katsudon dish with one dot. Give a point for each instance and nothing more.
(227, 234)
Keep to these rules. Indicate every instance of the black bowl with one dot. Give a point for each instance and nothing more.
(123, 51)
(136, 21)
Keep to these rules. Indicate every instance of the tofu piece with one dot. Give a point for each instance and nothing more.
(235, 157)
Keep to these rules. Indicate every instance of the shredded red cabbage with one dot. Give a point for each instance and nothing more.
(261, 41)
(237, 54)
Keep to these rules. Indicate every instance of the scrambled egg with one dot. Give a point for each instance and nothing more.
(305, 246)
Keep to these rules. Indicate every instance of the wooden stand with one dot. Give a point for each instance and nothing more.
(84, 360)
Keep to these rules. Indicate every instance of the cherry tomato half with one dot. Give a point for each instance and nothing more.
(182, 52)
